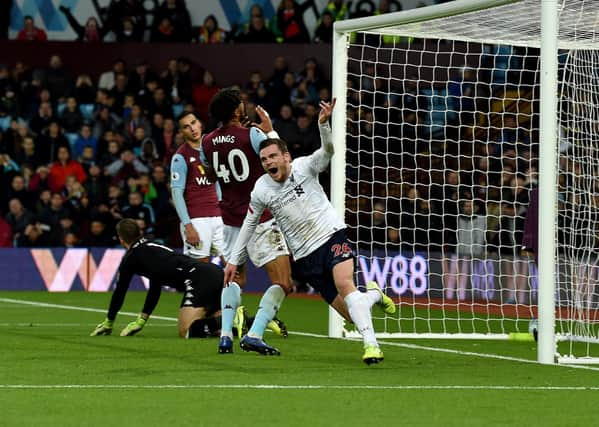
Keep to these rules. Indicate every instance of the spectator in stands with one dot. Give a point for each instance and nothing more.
(178, 15)
(160, 103)
(165, 137)
(203, 93)
(96, 185)
(307, 136)
(135, 120)
(148, 154)
(210, 32)
(107, 78)
(30, 32)
(58, 79)
(280, 70)
(257, 30)
(84, 91)
(119, 91)
(164, 32)
(49, 141)
(91, 32)
(139, 210)
(161, 204)
(98, 236)
(70, 118)
(44, 116)
(84, 139)
(282, 95)
(55, 212)
(8, 165)
(471, 245)
(127, 19)
(126, 167)
(18, 190)
(39, 180)
(112, 154)
(286, 125)
(6, 236)
(18, 217)
(63, 167)
(184, 81)
(324, 31)
(290, 21)
(38, 235)
(28, 153)
(105, 120)
(139, 77)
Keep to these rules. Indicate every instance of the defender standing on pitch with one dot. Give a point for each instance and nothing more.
(314, 231)
(231, 150)
(194, 195)
(200, 282)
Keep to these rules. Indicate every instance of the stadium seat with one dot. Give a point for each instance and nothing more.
(5, 122)
(87, 110)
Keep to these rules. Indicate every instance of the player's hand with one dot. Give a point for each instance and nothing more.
(191, 235)
(230, 273)
(265, 122)
(134, 327)
(326, 110)
(104, 328)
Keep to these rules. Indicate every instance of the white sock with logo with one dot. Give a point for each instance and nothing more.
(358, 306)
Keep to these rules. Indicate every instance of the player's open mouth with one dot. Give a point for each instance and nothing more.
(273, 171)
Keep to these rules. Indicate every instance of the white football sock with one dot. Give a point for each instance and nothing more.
(358, 306)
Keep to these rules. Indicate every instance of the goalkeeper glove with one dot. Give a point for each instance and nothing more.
(104, 328)
(134, 327)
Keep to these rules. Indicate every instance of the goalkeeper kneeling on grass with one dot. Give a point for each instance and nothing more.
(201, 284)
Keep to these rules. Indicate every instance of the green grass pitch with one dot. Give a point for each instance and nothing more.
(53, 374)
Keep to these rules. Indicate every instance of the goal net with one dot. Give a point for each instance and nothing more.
(441, 124)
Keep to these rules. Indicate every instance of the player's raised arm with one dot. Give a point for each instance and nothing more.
(320, 159)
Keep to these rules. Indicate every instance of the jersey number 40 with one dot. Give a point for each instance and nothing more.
(237, 165)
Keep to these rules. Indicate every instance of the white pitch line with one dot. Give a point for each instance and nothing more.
(296, 387)
(307, 334)
(66, 325)
(70, 307)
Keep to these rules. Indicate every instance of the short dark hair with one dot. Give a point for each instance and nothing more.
(128, 230)
(224, 103)
(274, 141)
(185, 114)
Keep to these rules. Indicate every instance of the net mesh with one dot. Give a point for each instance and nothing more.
(442, 169)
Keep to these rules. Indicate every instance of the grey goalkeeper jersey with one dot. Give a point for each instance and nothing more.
(299, 205)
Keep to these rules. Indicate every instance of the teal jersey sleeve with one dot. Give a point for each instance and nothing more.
(256, 137)
(178, 181)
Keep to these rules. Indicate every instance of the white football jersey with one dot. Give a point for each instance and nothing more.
(299, 205)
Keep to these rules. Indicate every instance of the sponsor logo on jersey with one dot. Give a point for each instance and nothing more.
(203, 181)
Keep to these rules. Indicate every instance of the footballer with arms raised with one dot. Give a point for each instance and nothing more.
(195, 195)
(232, 151)
(201, 284)
(314, 231)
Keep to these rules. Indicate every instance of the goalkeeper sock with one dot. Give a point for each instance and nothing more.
(269, 305)
(359, 311)
(230, 299)
(197, 329)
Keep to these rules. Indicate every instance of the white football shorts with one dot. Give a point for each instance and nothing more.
(265, 245)
(210, 230)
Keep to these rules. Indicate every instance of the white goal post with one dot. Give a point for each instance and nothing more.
(408, 134)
